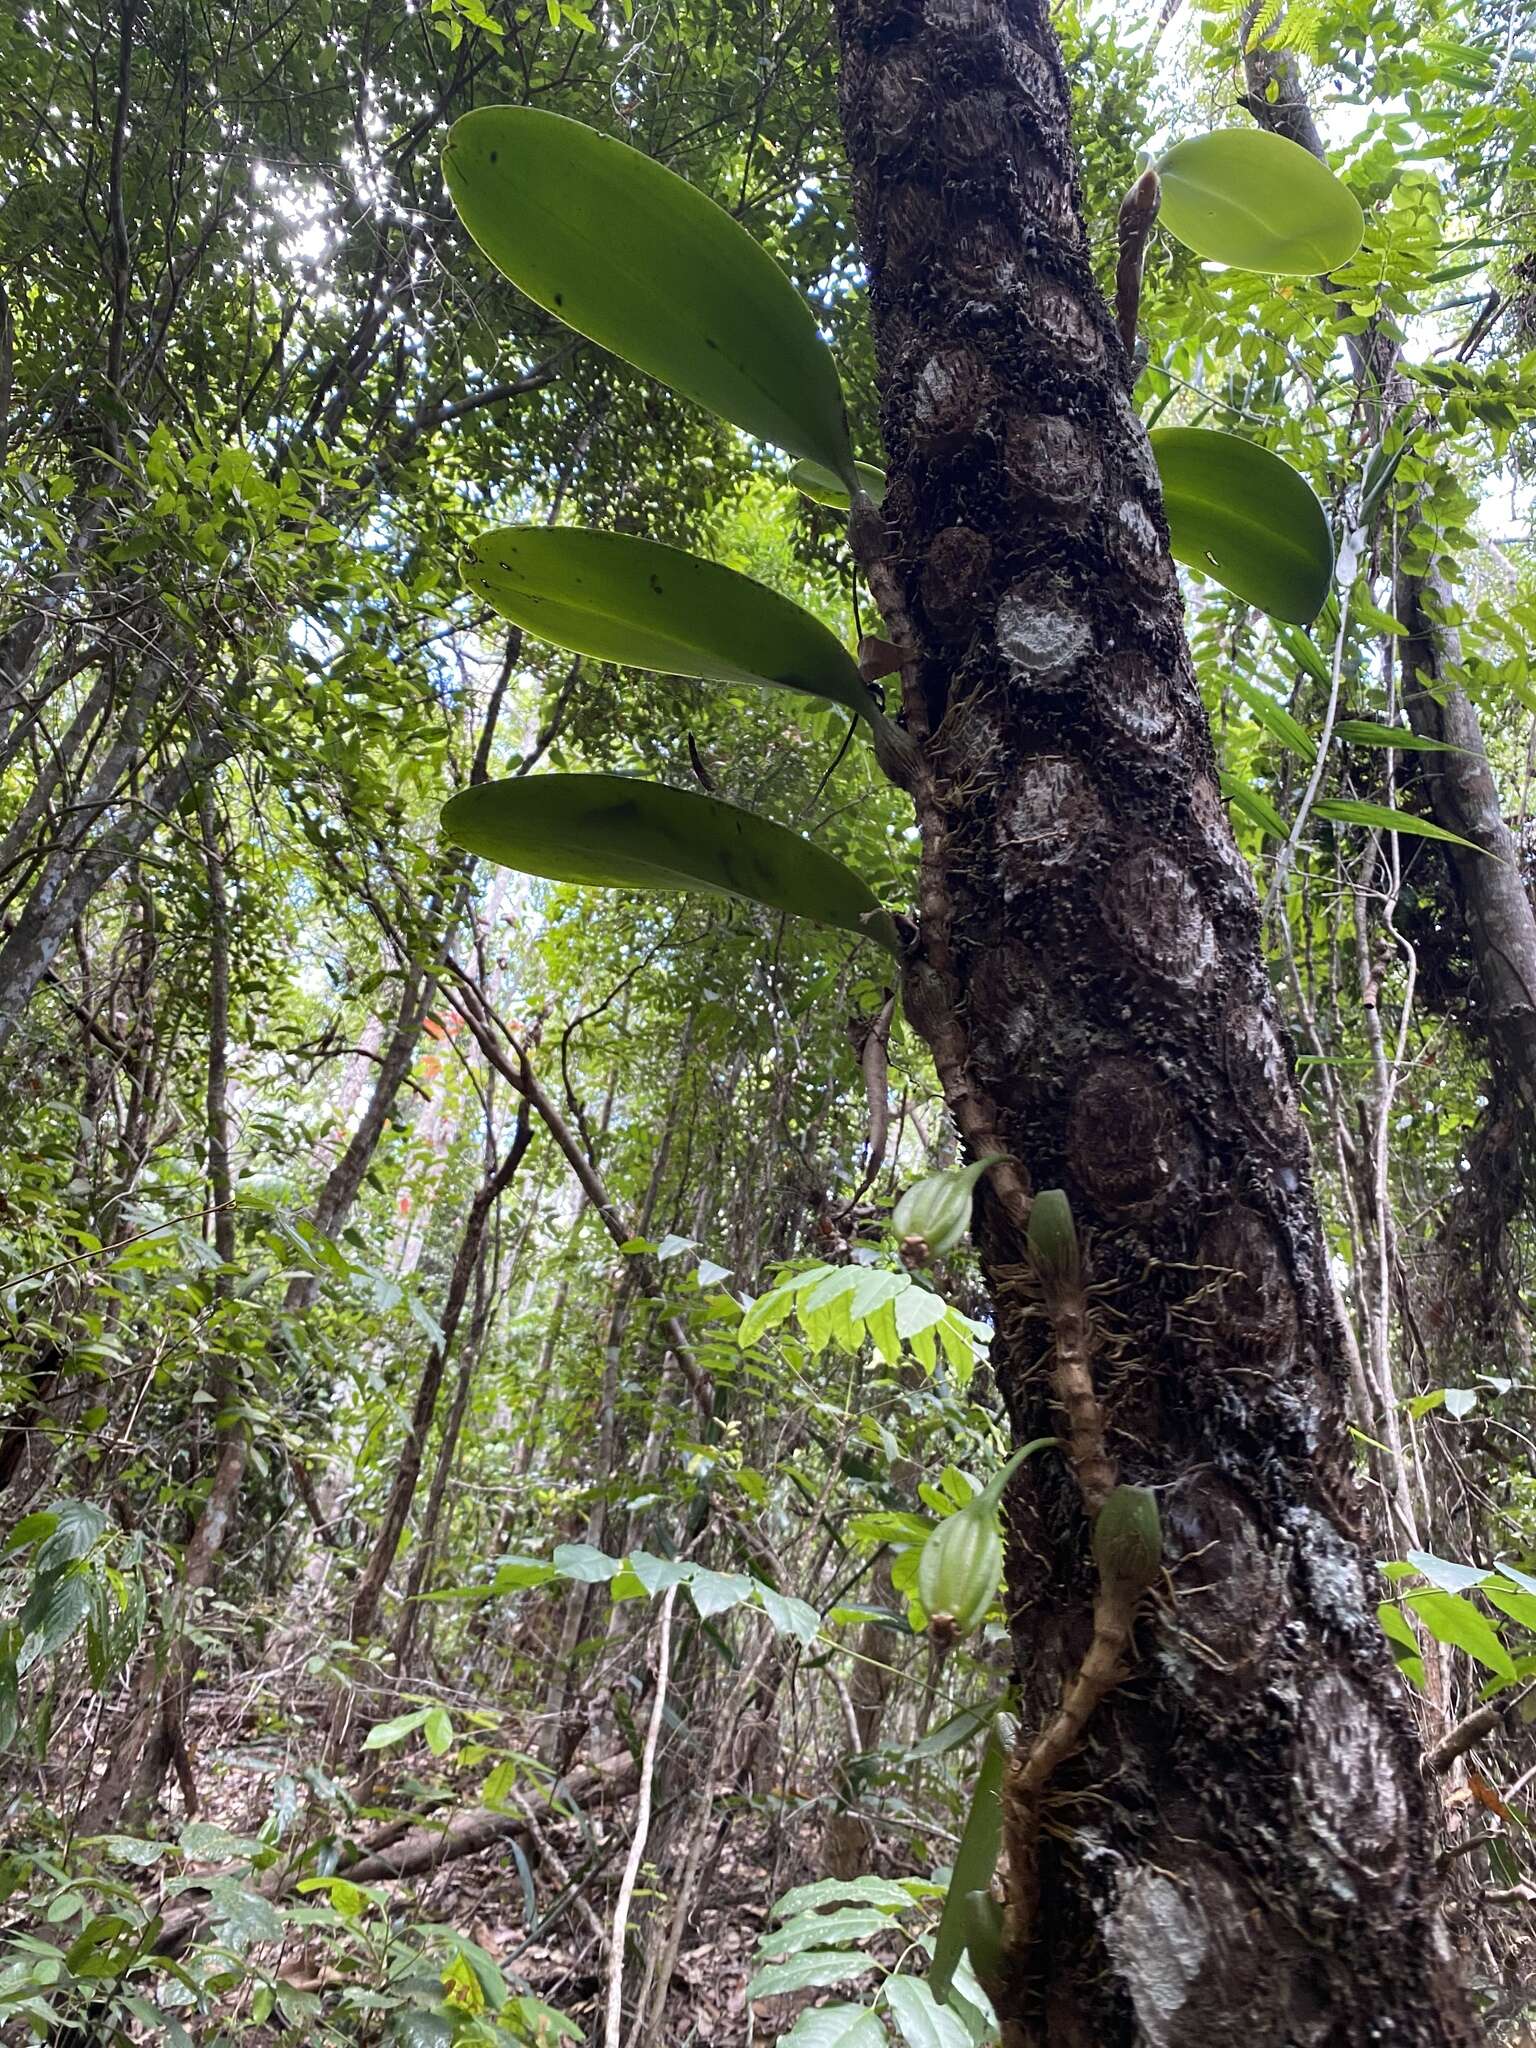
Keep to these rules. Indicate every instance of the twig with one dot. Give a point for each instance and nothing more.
(613, 2033)
(1469, 1732)
(1287, 855)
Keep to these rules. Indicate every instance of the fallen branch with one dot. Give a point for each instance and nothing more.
(391, 1854)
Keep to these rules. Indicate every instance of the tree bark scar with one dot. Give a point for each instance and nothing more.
(1239, 1831)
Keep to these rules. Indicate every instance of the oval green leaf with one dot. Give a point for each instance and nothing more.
(637, 602)
(818, 482)
(636, 259)
(1258, 202)
(1240, 515)
(614, 832)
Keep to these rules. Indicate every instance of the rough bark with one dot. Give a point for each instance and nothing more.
(1239, 1842)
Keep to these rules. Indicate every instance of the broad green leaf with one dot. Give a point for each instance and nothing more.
(808, 1972)
(842, 1925)
(919, 1310)
(1254, 805)
(835, 2026)
(1257, 201)
(832, 1282)
(921, 2021)
(77, 1527)
(244, 1915)
(584, 1562)
(825, 488)
(968, 2000)
(770, 1309)
(437, 1730)
(41, 1522)
(1451, 1618)
(632, 256)
(715, 1593)
(961, 1727)
(835, 1891)
(872, 1286)
(132, 1849)
(975, 1861)
(1445, 1573)
(55, 1608)
(1382, 818)
(541, 2022)
(788, 1616)
(1365, 613)
(414, 2028)
(1240, 515)
(615, 832)
(206, 1841)
(162, 2027)
(657, 1573)
(1396, 1624)
(1519, 1607)
(632, 601)
(388, 1733)
(516, 1573)
(1302, 651)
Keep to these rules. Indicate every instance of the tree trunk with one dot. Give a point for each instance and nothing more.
(1237, 1844)
(370, 1587)
(1464, 798)
(69, 883)
(155, 1738)
(334, 1202)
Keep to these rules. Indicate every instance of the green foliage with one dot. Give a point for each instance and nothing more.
(975, 1862)
(324, 390)
(1239, 514)
(638, 603)
(619, 833)
(1258, 202)
(632, 256)
(846, 1306)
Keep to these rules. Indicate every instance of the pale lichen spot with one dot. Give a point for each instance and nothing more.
(1158, 1939)
(1349, 1796)
(1137, 700)
(1043, 644)
(1050, 814)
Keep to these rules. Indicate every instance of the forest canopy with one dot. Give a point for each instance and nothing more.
(767, 1023)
